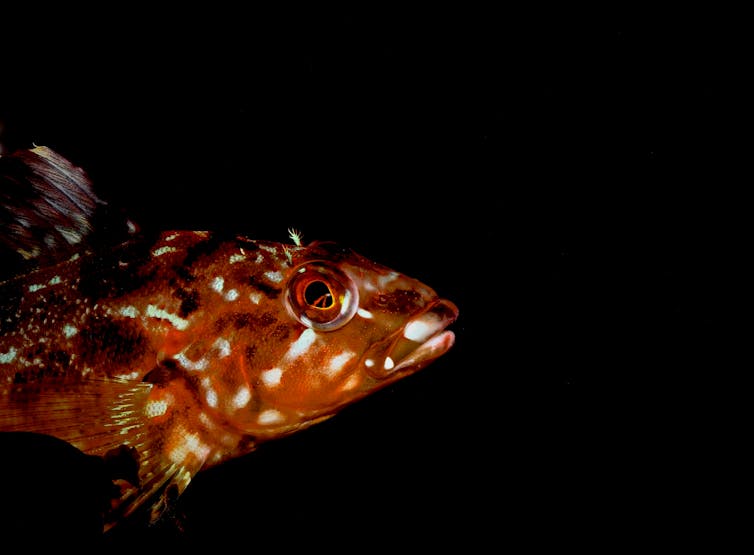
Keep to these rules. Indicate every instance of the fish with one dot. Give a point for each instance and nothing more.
(173, 351)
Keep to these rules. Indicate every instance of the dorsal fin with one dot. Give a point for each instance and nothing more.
(47, 207)
(47, 202)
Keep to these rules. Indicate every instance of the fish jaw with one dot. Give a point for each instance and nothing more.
(431, 349)
(423, 339)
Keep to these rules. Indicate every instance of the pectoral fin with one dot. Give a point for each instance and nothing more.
(108, 419)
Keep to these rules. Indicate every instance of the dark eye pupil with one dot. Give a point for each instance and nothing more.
(318, 294)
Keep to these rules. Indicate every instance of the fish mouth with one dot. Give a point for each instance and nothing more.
(422, 340)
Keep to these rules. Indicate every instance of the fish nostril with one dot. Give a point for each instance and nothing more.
(445, 310)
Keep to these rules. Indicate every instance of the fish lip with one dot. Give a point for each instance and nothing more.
(433, 348)
(421, 340)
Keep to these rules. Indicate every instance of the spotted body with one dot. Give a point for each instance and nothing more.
(189, 348)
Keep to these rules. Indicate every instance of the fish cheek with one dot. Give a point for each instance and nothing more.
(308, 384)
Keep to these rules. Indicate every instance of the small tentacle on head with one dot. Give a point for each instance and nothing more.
(296, 236)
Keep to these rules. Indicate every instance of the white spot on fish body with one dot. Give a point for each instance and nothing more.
(389, 364)
(163, 250)
(302, 344)
(7, 357)
(36, 287)
(69, 330)
(255, 297)
(272, 376)
(195, 445)
(231, 295)
(236, 258)
(55, 280)
(156, 312)
(211, 398)
(190, 443)
(156, 408)
(218, 283)
(270, 416)
(171, 237)
(369, 363)
(242, 397)
(364, 313)
(211, 394)
(222, 345)
(338, 362)
(275, 276)
(128, 311)
(189, 364)
(205, 420)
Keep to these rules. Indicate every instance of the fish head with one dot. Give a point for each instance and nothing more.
(339, 327)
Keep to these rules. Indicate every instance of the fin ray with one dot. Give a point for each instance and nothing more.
(46, 204)
(99, 417)
(75, 413)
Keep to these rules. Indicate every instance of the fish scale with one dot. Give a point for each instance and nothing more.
(185, 349)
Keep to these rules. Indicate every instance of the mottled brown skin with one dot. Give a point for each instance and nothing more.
(188, 350)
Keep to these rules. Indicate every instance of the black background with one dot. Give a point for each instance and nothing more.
(563, 179)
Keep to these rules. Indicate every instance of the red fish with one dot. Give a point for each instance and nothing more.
(187, 349)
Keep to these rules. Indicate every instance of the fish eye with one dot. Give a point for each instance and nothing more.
(321, 297)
